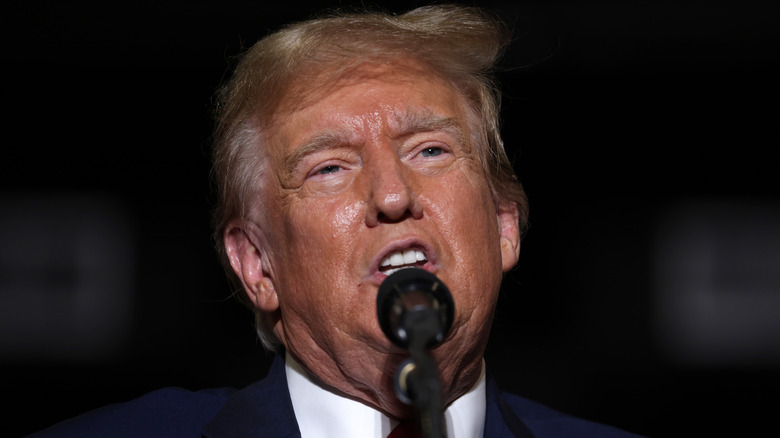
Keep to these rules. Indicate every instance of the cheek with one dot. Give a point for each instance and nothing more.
(317, 244)
(467, 212)
(322, 238)
(327, 227)
(467, 205)
(346, 217)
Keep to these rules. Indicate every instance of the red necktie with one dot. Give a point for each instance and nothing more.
(406, 429)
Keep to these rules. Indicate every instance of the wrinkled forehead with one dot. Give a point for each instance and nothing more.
(392, 100)
(317, 82)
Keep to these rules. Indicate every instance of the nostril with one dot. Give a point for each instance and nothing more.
(392, 218)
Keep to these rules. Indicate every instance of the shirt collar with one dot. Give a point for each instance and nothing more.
(321, 413)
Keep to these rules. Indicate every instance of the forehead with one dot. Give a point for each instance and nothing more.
(369, 96)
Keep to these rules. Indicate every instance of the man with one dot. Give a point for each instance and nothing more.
(349, 147)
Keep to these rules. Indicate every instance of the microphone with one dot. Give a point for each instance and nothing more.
(415, 311)
(414, 308)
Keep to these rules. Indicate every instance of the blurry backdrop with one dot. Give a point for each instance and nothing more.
(648, 291)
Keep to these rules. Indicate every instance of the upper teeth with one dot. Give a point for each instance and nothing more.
(401, 258)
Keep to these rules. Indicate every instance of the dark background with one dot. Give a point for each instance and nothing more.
(634, 125)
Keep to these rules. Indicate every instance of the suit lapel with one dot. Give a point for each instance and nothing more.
(261, 410)
(500, 420)
(264, 410)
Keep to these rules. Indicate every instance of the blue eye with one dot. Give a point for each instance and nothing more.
(329, 169)
(431, 152)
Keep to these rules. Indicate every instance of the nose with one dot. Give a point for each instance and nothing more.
(392, 197)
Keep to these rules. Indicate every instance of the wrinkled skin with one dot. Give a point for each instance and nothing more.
(381, 160)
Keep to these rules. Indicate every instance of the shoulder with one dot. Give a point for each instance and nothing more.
(168, 412)
(543, 421)
(509, 415)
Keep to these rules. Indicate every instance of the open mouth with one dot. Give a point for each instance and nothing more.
(408, 258)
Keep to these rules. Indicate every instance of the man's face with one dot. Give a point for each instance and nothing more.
(365, 173)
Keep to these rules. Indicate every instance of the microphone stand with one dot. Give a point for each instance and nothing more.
(424, 390)
(415, 311)
(417, 379)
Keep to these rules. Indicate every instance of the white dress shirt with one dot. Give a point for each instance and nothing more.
(323, 414)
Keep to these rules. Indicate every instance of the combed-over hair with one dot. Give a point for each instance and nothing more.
(460, 43)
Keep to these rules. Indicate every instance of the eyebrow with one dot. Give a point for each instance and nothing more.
(417, 122)
(321, 142)
(410, 123)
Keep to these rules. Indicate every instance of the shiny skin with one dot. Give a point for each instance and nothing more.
(377, 161)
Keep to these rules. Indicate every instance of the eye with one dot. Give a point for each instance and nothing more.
(328, 169)
(431, 157)
(431, 152)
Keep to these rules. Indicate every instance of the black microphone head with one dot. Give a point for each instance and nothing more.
(410, 294)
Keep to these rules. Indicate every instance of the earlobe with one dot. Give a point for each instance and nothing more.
(246, 259)
(509, 229)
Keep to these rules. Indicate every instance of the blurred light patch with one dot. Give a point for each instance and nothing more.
(66, 278)
(717, 282)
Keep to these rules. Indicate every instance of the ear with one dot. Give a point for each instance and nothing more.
(509, 229)
(249, 263)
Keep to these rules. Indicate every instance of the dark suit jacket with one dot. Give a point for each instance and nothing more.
(264, 410)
